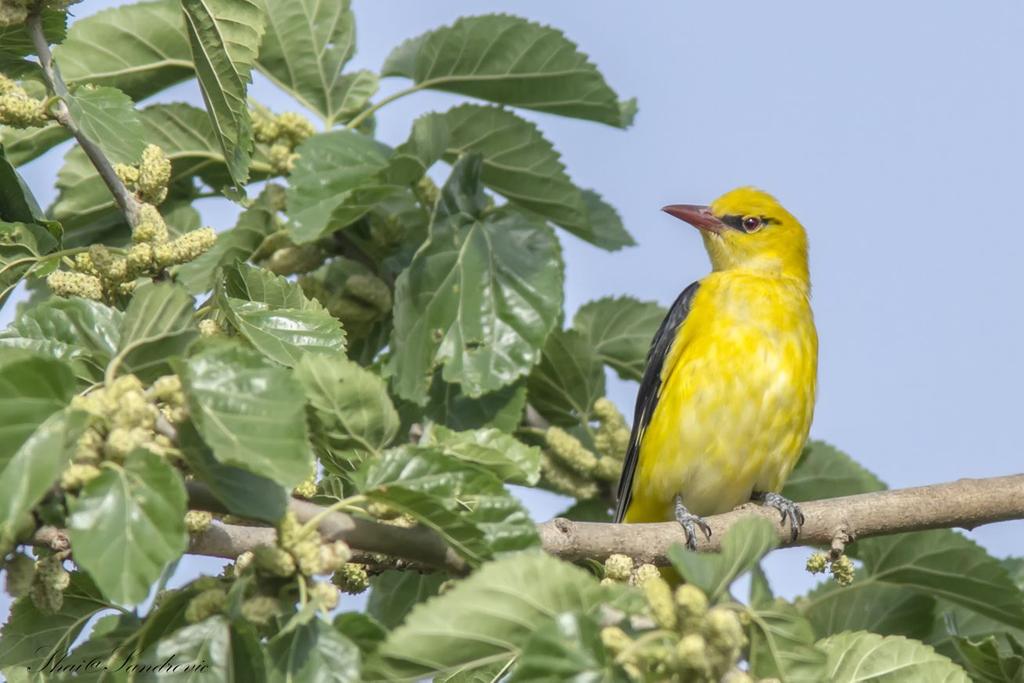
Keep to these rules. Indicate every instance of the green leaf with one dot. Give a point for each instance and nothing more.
(568, 379)
(31, 637)
(349, 405)
(283, 327)
(362, 629)
(944, 564)
(252, 283)
(479, 298)
(82, 332)
(867, 605)
(464, 537)
(743, 546)
(861, 656)
(761, 594)
(181, 217)
(604, 224)
(592, 510)
(985, 661)
(521, 164)
(239, 243)
(17, 204)
(251, 414)
(426, 144)
(304, 50)
(22, 145)
(619, 330)
(157, 327)
(152, 48)
(243, 493)
(127, 524)
(489, 673)
(782, 645)
(166, 616)
(567, 648)
(393, 593)
(501, 409)
(35, 465)
(225, 38)
(208, 642)
(509, 459)
(190, 141)
(15, 40)
(953, 621)
(323, 184)
(464, 503)
(107, 117)
(826, 472)
(22, 247)
(500, 606)
(512, 61)
(108, 641)
(310, 649)
(32, 388)
(1015, 566)
(284, 335)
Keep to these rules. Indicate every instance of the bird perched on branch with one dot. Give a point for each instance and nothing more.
(726, 401)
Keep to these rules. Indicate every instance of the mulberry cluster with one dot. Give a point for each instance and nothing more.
(622, 569)
(197, 521)
(206, 604)
(612, 437)
(570, 467)
(17, 108)
(123, 417)
(260, 609)
(21, 570)
(283, 133)
(299, 550)
(103, 274)
(693, 642)
(14, 12)
(352, 578)
(841, 568)
(306, 489)
(149, 178)
(49, 581)
(294, 258)
(358, 299)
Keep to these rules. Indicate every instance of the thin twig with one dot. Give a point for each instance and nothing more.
(127, 202)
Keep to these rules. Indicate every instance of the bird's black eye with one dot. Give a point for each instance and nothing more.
(752, 223)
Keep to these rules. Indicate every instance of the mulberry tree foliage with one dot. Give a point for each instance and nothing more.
(382, 331)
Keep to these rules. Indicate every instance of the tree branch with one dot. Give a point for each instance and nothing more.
(127, 202)
(417, 544)
(830, 523)
(966, 503)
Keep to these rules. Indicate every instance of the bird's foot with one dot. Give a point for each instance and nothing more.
(787, 508)
(689, 522)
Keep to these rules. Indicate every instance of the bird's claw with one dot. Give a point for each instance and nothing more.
(688, 521)
(787, 510)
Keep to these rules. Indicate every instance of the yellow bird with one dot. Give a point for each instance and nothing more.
(727, 398)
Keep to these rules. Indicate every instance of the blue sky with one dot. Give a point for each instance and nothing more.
(893, 132)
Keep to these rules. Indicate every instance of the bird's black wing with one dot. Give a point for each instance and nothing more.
(650, 390)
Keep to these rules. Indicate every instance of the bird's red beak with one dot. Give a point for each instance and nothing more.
(699, 217)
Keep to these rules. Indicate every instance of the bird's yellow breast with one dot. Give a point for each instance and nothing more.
(736, 401)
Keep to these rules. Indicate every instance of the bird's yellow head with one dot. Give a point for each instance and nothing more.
(748, 229)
